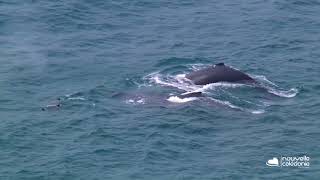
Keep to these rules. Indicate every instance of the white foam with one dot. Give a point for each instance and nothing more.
(264, 79)
(176, 99)
(77, 98)
(181, 78)
(288, 94)
(226, 103)
(141, 101)
(135, 101)
(221, 84)
(196, 67)
(52, 105)
(257, 111)
(179, 81)
(129, 101)
(274, 89)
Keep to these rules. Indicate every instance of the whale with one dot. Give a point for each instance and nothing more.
(219, 73)
(212, 74)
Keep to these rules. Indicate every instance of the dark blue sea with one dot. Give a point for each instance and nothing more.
(89, 89)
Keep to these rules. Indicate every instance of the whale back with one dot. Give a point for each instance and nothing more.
(218, 73)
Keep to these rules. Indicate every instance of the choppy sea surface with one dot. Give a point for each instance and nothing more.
(116, 68)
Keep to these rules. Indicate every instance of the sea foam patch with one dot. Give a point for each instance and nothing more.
(176, 99)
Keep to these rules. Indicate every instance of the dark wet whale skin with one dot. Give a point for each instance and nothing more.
(218, 73)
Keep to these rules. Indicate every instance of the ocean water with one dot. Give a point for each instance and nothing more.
(116, 68)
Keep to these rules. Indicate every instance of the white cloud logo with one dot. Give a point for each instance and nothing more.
(290, 161)
(273, 162)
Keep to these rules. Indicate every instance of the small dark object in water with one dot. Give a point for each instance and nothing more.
(53, 106)
(191, 94)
